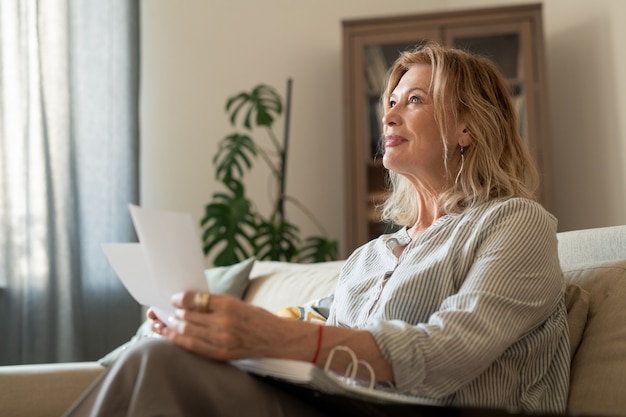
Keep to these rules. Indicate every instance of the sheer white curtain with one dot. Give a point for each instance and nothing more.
(68, 169)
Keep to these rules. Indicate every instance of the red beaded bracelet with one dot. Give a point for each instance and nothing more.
(320, 327)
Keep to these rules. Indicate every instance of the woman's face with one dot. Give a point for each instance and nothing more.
(413, 146)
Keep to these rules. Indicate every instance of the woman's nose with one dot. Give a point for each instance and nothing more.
(391, 117)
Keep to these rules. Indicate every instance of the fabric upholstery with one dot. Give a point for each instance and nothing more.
(598, 373)
(592, 245)
(577, 303)
(43, 390)
(277, 285)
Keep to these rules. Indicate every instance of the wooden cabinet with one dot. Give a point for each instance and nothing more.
(511, 36)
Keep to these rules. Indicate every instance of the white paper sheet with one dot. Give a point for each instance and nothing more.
(168, 259)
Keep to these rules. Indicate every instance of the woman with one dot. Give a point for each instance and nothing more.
(463, 305)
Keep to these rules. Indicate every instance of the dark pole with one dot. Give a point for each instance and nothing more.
(283, 173)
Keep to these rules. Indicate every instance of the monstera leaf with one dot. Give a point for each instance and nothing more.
(229, 219)
(233, 155)
(262, 100)
(277, 241)
(318, 249)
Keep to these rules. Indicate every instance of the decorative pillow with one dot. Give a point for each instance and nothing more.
(598, 373)
(315, 311)
(232, 280)
(577, 303)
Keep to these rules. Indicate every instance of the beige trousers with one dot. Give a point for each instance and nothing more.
(157, 378)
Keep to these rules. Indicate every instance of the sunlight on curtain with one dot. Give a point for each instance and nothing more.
(68, 169)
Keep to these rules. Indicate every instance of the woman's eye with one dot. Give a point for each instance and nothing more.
(414, 99)
(392, 103)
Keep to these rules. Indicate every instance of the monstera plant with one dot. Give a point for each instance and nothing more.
(232, 226)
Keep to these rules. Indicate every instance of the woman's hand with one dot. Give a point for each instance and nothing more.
(224, 327)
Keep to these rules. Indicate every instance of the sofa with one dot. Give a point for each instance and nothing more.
(594, 266)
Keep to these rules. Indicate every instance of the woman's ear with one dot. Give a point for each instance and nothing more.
(464, 136)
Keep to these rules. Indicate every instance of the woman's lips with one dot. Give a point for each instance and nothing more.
(393, 140)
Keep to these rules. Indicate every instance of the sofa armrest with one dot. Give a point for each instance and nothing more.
(44, 390)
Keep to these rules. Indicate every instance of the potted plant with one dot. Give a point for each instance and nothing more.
(232, 226)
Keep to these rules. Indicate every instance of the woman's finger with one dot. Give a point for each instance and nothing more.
(197, 334)
(157, 325)
(198, 329)
(225, 313)
(193, 300)
(151, 314)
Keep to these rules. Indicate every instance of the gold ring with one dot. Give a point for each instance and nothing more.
(201, 300)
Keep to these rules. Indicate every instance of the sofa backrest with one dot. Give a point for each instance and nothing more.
(592, 245)
(594, 266)
(597, 321)
(276, 285)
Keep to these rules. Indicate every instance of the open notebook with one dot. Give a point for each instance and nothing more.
(324, 380)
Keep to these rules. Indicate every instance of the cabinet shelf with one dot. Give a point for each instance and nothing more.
(511, 36)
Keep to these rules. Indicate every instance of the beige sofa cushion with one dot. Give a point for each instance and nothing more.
(598, 371)
(276, 285)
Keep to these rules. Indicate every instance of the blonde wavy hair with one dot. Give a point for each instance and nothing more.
(497, 164)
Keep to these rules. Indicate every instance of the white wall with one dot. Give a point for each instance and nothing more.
(196, 53)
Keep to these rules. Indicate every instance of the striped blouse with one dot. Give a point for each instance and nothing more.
(472, 313)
